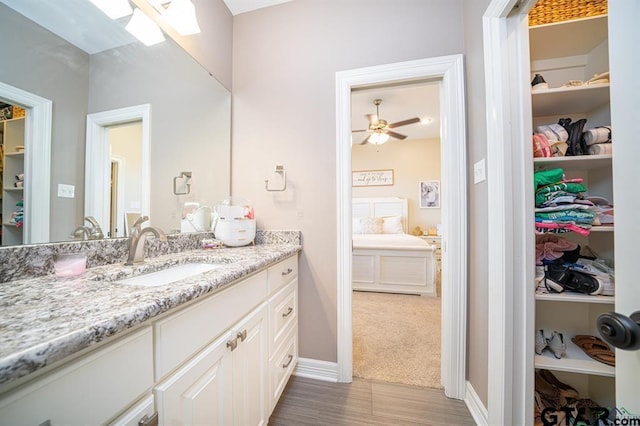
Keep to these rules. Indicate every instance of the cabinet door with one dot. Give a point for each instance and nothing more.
(201, 391)
(250, 360)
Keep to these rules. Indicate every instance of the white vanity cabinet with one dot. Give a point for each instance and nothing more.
(90, 390)
(283, 323)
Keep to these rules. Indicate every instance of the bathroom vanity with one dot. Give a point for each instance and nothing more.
(215, 348)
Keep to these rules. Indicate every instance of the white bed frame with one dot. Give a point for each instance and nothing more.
(392, 270)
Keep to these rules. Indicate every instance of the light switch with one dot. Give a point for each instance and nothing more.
(66, 191)
(479, 171)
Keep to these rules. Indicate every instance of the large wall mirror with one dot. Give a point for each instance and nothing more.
(98, 68)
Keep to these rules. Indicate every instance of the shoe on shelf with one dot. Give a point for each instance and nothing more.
(538, 83)
(541, 342)
(557, 344)
(567, 391)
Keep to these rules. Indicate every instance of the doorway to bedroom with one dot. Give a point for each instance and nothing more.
(395, 188)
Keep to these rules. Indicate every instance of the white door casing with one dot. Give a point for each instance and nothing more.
(449, 70)
(98, 160)
(37, 167)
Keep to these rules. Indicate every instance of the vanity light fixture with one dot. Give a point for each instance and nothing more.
(378, 137)
(181, 14)
(144, 29)
(114, 9)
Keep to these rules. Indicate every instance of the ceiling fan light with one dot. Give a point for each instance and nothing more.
(114, 9)
(144, 29)
(181, 14)
(378, 138)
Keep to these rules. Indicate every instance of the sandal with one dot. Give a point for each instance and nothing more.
(595, 348)
(566, 390)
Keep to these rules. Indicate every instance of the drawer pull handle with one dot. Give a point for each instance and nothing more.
(289, 359)
(289, 270)
(232, 344)
(286, 314)
(149, 421)
(242, 335)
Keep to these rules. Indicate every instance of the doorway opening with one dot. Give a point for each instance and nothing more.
(449, 71)
(396, 299)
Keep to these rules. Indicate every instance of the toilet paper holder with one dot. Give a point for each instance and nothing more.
(183, 175)
(278, 170)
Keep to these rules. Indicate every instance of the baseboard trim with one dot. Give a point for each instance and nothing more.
(316, 369)
(476, 407)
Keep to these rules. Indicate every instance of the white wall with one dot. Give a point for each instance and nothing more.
(284, 63)
(412, 161)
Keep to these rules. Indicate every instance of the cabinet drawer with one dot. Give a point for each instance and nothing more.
(136, 413)
(282, 273)
(282, 365)
(283, 314)
(184, 333)
(91, 390)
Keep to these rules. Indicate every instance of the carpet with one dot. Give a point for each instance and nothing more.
(396, 338)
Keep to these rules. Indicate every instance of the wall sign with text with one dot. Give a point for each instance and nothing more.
(372, 177)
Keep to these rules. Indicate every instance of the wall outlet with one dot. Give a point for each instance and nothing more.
(479, 171)
(66, 191)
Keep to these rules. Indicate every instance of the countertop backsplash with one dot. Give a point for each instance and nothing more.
(18, 262)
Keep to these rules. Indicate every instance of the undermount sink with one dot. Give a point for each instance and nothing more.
(169, 275)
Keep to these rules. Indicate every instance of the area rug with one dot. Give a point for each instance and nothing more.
(396, 338)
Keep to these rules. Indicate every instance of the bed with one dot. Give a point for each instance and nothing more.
(386, 258)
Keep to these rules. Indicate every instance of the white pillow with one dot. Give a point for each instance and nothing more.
(367, 225)
(392, 225)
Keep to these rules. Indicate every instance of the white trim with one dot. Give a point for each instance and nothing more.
(476, 407)
(316, 369)
(510, 239)
(454, 212)
(122, 166)
(98, 160)
(37, 167)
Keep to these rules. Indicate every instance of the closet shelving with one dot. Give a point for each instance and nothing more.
(575, 50)
(13, 164)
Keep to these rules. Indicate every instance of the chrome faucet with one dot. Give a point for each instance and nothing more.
(137, 238)
(93, 232)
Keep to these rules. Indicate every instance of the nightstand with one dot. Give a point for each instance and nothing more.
(434, 240)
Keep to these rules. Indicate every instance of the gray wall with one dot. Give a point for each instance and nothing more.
(190, 116)
(284, 63)
(479, 260)
(24, 51)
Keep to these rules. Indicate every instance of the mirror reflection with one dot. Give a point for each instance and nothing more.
(188, 124)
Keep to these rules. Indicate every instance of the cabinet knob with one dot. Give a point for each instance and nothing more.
(232, 344)
(286, 314)
(289, 359)
(149, 420)
(619, 330)
(242, 335)
(287, 272)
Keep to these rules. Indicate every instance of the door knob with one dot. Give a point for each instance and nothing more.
(619, 330)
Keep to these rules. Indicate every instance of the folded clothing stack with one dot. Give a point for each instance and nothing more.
(19, 183)
(570, 138)
(560, 204)
(17, 217)
(598, 140)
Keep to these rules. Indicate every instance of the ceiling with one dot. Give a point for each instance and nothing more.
(399, 102)
(240, 6)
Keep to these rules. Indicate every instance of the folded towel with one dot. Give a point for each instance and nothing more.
(553, 132)
(601, 149)
(597, 135)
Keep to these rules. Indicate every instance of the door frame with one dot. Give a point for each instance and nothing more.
(37, 167)
(449, 71)
(98, 159)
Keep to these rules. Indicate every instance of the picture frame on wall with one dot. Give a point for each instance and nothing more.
(429, 194)
(372, 177)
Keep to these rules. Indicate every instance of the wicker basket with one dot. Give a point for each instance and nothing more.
(550, 11)
(18, 112)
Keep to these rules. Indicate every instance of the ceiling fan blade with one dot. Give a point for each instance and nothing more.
(395, 135)
(365, 140)
(373, 118)
(360, 130)
(404, 122)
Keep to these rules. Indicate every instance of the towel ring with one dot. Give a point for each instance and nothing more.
(183, 175)
(279, 170)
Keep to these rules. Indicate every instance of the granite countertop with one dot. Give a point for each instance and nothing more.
(45, 319)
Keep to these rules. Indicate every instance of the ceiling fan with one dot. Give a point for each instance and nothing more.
(379, 129)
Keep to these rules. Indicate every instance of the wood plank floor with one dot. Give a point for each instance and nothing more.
(363, 402)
